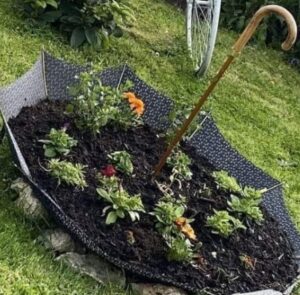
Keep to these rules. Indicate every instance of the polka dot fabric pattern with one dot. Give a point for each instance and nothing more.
(50, 78)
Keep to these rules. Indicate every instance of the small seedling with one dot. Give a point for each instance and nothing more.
(248, 205)
(224, 224)
(58, 142)
(252, 193)
(227, 182)
(180, 250)
(122, 203)
(180, 162)
(166, 212)
(72, 174)
(122, 161)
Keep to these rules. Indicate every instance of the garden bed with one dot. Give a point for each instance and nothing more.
(218, 265)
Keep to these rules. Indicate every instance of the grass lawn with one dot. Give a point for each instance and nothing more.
(256, 106)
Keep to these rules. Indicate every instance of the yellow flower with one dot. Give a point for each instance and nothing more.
(185, 228)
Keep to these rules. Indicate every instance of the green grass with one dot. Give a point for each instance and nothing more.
(256, 106)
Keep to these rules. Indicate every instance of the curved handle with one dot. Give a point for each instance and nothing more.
(257, 19)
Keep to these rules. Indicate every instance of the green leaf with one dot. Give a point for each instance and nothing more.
(78, 37)
(41, 4)
(50, 153)
(179, 211)
(111, 217)
(51, 16)
(120, 214)
(91, 36)
(103, 193)
(69, 108)
(52, 3)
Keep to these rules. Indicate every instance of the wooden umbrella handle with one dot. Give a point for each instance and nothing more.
(257, 19)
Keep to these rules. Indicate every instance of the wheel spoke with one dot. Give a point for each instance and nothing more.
(200, 31)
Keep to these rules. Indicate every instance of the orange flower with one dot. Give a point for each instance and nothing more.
(130, 96)
(137, 105)
(185, 228)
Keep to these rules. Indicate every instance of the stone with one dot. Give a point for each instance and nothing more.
(157, 289)
(264, 292)
(57, 240)
(94, 267)
(26, 201)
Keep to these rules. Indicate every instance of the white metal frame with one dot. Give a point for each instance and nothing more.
(201, 43)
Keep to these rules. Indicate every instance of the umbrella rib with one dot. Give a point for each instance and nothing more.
(122, 75)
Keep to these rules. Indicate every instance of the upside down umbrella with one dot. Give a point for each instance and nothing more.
(49, 79)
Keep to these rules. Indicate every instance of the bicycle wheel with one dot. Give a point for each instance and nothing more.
(202, 20)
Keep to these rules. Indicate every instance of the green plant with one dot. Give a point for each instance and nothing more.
(252, 193)
(224, 224)
(72, 174)
(180, 162)
(248, 204)
(122, 161)
(95, 105)
(166, 212)
(227, 182)
(121, 202)
(42, 4)
(84, 21)
(180, 249)
(58, 142)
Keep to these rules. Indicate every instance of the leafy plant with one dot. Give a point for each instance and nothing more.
(72, 174)
(224, 224)
(122, 161)
(180, 250)
(252, 193)
(169, 218)
(122, 203)
(95, 105)
(227, 182)
(42, 4)
(58, 142)
(246, 206)
(166, 212)
(180, 162)
(84, 21)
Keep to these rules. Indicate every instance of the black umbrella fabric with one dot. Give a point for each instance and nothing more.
(50, 78)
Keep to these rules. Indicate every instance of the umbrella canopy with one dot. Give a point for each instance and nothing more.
(49, 78)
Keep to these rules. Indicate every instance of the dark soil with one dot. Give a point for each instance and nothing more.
(219, 269)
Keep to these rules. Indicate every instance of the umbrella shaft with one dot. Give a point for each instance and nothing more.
(193, 114)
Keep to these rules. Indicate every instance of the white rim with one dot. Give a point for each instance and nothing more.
(202, 21)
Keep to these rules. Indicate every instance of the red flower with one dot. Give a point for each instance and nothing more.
(108, 171)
